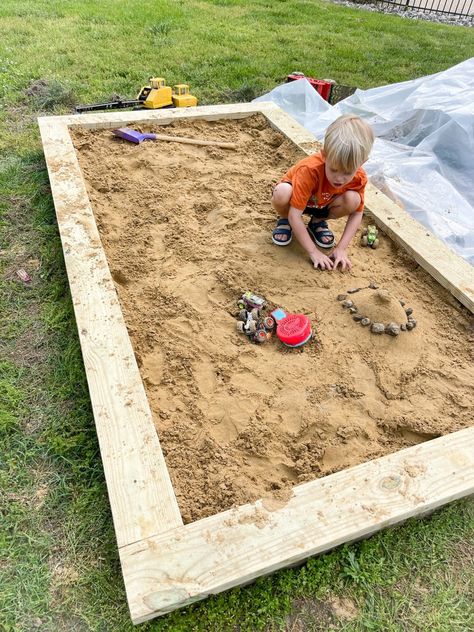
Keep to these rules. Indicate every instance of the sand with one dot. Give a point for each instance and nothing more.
(186, 230)
(379, 306)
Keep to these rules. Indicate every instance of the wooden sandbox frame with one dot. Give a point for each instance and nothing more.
(165, 564)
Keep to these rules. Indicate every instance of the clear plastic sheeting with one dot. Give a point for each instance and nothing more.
(423, 156)
(301, 100)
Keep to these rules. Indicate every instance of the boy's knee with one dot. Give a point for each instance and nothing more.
(282, 195)
(351, 201)
(345, 204)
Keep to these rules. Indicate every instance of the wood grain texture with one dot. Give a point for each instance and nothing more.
(191, 562)
(286, 125)
(141, 495)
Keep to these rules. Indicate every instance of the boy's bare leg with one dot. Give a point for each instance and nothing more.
(281, 203)
(345, 205)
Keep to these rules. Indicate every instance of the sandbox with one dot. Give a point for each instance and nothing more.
(270, 454)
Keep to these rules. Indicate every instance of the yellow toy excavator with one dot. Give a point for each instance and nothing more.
(156, 95)
(181, 97)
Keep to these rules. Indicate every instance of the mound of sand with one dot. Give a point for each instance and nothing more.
(380, 306)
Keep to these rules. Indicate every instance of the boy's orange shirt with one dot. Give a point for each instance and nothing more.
(312, 188)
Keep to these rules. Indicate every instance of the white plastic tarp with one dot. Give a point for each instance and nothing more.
(423, 155)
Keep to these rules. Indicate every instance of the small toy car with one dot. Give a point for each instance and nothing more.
(251, 301)
(370, 236)
(250, 323)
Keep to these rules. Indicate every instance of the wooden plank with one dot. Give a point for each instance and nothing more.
(109, 119)
(294, 131)
(191, 562)
(141, 495)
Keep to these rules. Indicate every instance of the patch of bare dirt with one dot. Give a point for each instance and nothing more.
(316, 615)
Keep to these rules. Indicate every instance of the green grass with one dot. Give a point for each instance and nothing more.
(59, 567)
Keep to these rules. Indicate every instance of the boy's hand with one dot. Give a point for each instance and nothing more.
(340, 257)
(321, 261)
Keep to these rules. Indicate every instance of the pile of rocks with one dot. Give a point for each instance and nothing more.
(379, 310)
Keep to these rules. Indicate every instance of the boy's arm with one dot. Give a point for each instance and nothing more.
(339, 254)
(298, 227)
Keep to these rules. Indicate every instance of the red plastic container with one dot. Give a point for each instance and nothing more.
(294, 330)
(322, 87)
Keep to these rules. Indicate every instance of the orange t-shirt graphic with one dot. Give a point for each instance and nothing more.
(311, 188)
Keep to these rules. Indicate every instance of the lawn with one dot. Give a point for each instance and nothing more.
(59, 567)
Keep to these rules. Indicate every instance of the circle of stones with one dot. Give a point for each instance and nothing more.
(392, 329)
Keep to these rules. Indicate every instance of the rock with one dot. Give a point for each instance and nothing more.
(383, 297)
(353, 310)
(354, 290)
(341, 297)
(347, 303)
(357, 317)
(377, 328)
(413, 322)
(392, 329)
(409, 311)
(402, 302)
(373, 286)
(403, 326)
(365, 322)
(410, 325)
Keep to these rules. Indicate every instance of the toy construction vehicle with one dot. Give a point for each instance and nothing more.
(370, 236)
(254, 326)
(250, 320)
(181, 97)
(251, 301)
(156, 95)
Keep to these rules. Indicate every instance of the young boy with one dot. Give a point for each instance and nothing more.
(326, 185)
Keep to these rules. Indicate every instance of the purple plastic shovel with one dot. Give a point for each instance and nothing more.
(137, 137)
(132, 135)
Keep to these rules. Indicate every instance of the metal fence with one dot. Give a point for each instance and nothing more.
(461, 8)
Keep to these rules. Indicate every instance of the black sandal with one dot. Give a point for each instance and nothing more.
(282, 228)
(317, 234)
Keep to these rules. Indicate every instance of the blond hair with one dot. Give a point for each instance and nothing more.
(348, 142)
